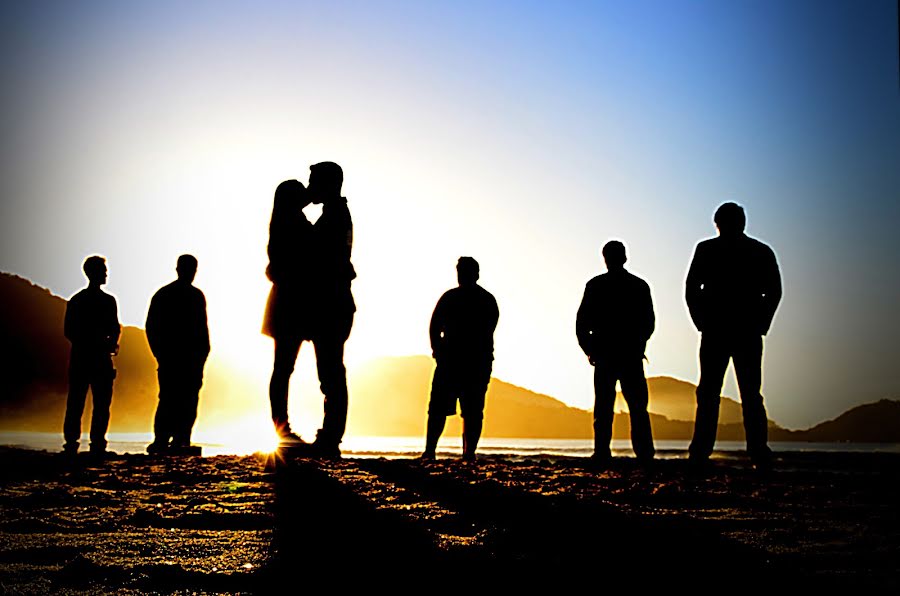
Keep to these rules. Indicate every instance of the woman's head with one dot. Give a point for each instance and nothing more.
(291, 194)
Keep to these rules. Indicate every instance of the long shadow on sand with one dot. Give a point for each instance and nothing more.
(338, 517)
(324, 530)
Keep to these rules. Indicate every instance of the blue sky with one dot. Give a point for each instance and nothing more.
(526, 134)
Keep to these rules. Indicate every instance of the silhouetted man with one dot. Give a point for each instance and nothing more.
(462, 343)
(333, 307)
(733, 289)
(289, 310)
(179, 339)
(92, 327)
(614, 323)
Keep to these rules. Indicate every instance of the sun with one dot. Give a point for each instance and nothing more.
(241, 438)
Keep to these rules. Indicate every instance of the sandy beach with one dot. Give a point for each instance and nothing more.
(230, 524)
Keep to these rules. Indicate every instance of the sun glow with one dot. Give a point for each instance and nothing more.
(241, 439)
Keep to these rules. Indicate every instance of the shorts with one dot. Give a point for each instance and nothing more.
(466, 383)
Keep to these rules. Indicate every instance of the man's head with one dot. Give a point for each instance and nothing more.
(467, 271)
(730, 219)
(95, 269)
(614, 255)
(325, 180)
(186, 268)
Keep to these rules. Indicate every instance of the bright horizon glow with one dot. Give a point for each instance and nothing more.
(525, 137)
(240, 439)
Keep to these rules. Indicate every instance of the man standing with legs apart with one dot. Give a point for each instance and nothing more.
(92, 326)
(733, 289)
(614, 323)
(178, 334)
(462, 343)
(332, 301)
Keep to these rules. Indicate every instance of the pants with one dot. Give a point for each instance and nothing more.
(715, 352)
(96, 374)
(328, 343)
(630, 372)
(179, 394)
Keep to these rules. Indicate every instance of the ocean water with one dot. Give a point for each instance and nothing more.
(402, 447)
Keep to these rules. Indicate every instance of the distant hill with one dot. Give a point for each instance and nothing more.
(389, 396)
(35, 364)
(877, 422)
(676, 400)
(34, 353)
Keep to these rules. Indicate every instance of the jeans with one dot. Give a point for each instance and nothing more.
(179, 390)
(630, 372)
(96, 374)
(715, 352)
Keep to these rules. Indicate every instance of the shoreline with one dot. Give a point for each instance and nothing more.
(408, 446)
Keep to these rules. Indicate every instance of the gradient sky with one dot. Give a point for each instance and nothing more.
(525, 134)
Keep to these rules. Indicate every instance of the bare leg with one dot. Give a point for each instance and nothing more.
(471, 434)
(435, 429)
(286, 351)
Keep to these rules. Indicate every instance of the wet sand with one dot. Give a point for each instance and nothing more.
(229, 524)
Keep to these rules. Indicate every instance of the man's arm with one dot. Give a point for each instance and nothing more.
(494, 315)
(115, 329)
(648, 321)
(772, 290)
(205, 326)
(582, 323)
(334, 240)
(693, 289)
(349, 234)
(152, 327)
(71, 324)
(436, 328)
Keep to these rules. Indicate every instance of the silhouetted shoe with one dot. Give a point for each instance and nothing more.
(468, 458)
(645, 461)
(101, 454)
(428, 456)
(600, 459)
(186, 450)
(325, 450)
(291, 440)
(763, 463)
(698, 464)
(156, 448)
(760, 454)
(70, 450)
(291, 445)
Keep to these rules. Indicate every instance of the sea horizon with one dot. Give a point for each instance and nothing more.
(410, 446)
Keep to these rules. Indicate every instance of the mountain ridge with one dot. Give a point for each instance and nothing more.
(389, 395)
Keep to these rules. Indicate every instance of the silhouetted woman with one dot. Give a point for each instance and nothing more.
(287, 309)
